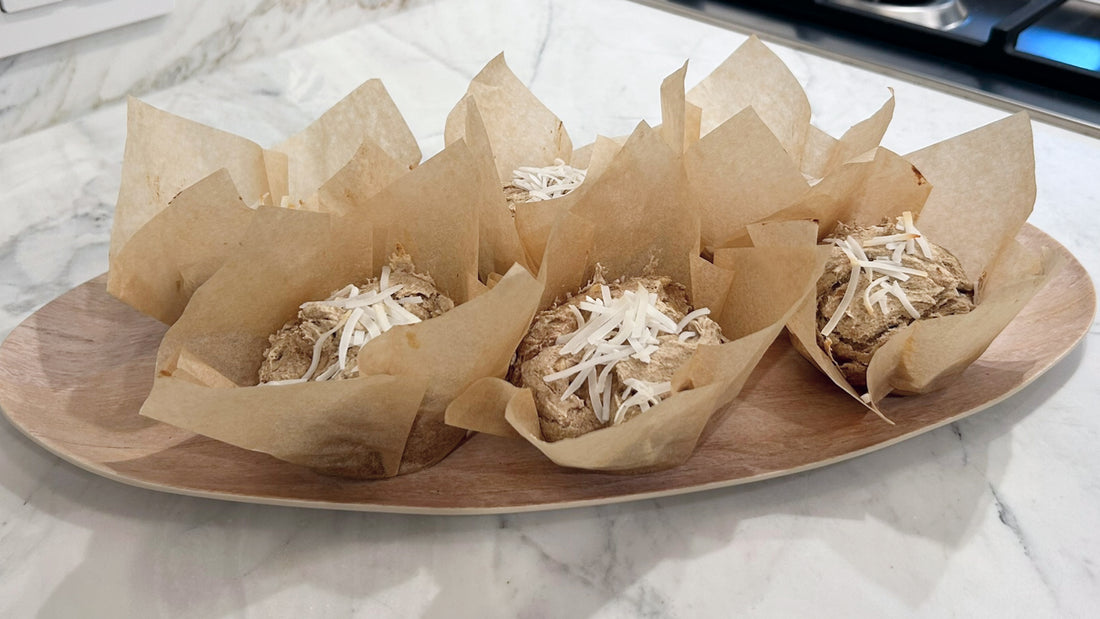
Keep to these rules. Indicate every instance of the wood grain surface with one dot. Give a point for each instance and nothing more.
(73, 377)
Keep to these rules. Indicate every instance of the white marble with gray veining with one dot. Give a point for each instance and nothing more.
(995, 516)
(52, 84)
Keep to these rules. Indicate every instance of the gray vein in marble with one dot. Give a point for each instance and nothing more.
(428, 52)
(562, 567)
(262, 561)
(210, 51)
(1007, 518)
(23, 252)
(46, 86)
(612, 565)
(548, 27)
(957, 431)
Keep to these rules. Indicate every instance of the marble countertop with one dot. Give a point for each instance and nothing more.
(54, 84)
(996, 515)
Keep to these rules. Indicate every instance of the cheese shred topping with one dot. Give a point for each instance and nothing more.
(908, 240)
(617, 329)
(366, 314)
(548, 183)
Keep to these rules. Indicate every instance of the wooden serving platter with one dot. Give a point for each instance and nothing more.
(73, 377)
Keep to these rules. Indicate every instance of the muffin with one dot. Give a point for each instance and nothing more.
(323, 342)
(532, 184)
(878, 280)
(590, 363)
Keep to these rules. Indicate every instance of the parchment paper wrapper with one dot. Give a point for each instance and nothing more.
(758, 152)
(535, 220)
(521, 130)
(863, 191)
(749, 148)
(737, 174)
(390, 418)
(503, 121)
(158, 270)
(971, 195)
(326, 145)
(500, 245)
(633, 214)
(680, 130)
(753, 76)
(166, 154)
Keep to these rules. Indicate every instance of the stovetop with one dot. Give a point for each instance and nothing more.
(1040, 55)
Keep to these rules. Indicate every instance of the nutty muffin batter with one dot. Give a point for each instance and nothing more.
(943, 290)
(515, 195)
(291, 349)
(539, 355)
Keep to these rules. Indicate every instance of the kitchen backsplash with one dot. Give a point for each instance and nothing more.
(53, 84)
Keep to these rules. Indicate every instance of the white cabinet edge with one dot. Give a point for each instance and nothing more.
(64, 21)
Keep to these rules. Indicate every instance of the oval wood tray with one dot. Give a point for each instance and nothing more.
(73, 377)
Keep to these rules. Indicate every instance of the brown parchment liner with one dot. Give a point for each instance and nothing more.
(635, 213)
(521, 130)
(758, 152)
(158, 270)
(970, 194)
(753, 76)
(166, 154)
(749, 148)
(679, 129)
(389, 420)
(500, 245)
(501, 119)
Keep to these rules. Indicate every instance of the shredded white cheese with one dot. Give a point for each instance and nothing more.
(640, 393)
(906, 241)
(549, 182)
(617, 329)
(366, 314)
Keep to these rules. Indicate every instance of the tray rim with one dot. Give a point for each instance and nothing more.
(106, 472)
